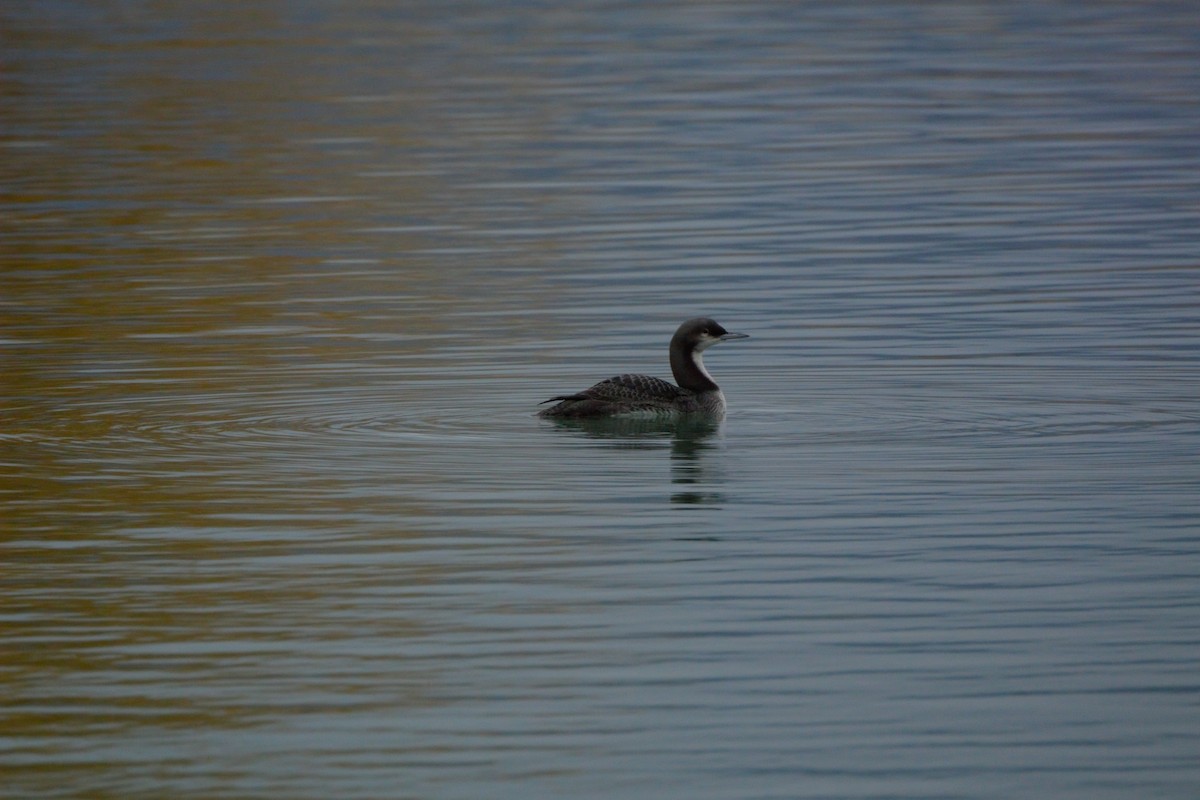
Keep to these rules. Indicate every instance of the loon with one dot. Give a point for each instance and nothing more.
(697, 392)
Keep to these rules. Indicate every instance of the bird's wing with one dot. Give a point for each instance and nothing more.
(632, 390)
(618, 394)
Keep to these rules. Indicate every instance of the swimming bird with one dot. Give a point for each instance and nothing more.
(697, 392)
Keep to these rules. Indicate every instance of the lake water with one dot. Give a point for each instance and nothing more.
(282, 287)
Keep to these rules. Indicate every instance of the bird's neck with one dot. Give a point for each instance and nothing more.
(688, 368)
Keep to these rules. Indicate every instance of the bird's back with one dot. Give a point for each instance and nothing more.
(623, 394)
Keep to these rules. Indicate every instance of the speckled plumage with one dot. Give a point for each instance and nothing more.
(645, 395)
(624, 394)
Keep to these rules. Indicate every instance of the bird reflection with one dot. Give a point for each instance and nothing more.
(690, 438)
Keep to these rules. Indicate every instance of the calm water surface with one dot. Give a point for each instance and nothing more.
(282, 284)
